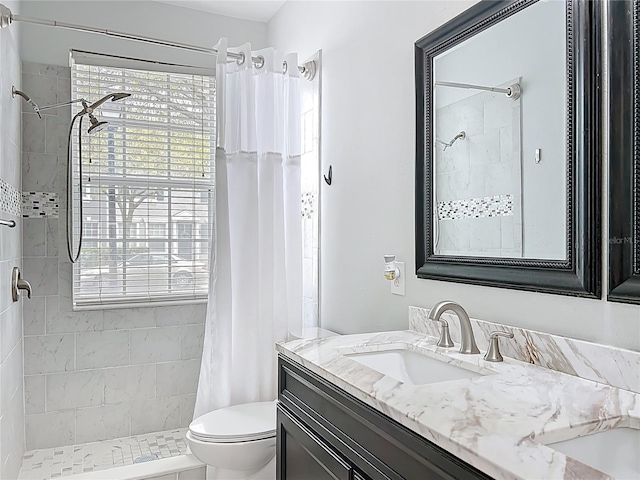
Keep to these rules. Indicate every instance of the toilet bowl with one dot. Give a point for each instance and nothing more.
(238, 441)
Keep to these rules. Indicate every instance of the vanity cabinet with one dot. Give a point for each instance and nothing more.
(307, 456)
(326, 433)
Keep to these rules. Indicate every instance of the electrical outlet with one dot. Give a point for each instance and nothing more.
(397, 285)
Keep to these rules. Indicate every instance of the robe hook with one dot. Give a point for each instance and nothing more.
(330, 178)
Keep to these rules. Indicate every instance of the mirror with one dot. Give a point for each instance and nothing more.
(624, 153)
(499, 156)
(507, 177)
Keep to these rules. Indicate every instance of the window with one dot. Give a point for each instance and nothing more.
(204, 233)
(148, 238)
(158, 231)
(91, 233)
(91, 229)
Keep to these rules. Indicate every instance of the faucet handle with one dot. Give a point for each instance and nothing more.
(17, 283)
(445, 337)
(493, 352)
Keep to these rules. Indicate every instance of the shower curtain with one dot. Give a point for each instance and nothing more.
(255, 290)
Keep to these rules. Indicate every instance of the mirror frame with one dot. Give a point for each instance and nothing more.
(580, 274)
(624, 152)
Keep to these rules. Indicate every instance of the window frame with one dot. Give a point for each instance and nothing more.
(171, 242)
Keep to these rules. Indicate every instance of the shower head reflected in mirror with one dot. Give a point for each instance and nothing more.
(460, 136)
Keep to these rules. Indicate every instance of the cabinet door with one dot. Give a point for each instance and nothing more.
(302, 455)
(359, 476)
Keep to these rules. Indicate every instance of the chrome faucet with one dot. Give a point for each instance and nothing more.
(468, 342)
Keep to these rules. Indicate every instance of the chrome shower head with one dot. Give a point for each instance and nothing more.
(113, 96)
(96, 126)
(33, 104)
(119, 96)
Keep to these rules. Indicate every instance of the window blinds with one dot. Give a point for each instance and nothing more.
(147, 186)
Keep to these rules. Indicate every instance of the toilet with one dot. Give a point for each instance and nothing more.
(239, 442)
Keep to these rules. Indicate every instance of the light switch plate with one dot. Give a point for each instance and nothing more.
(397, 285)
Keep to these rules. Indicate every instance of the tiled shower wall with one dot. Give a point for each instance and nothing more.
(478, 179)
(11, 393)
(100, 374)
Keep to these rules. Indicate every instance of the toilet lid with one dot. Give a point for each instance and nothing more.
(246, 422)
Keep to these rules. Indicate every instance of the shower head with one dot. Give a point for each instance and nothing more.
(460, 136)
(33, 104)
(119, 96)
(96, 126)
(114, 97)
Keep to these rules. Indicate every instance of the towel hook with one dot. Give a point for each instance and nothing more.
(330, 178)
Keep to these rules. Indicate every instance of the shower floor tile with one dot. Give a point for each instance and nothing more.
(59, 462)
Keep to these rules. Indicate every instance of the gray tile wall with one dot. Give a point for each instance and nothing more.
(101, 374)
(11, 370)
(487, 163)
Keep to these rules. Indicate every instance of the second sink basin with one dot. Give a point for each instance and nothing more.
(412, 368)
(615, 452)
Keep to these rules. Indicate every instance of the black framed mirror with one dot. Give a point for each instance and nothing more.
(624, 151)
(508, 147)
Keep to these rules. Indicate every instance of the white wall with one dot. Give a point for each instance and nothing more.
(517, 47)
(152, 19)
(368, 135)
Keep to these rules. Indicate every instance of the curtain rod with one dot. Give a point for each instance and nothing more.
(308, 70)
(513, 91)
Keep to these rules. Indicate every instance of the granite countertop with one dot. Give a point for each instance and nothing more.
(498, 422)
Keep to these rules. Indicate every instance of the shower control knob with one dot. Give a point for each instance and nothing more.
(17, 284)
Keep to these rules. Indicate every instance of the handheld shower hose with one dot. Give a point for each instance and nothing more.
(95, 127)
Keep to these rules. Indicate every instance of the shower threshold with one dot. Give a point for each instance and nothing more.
(137, 454)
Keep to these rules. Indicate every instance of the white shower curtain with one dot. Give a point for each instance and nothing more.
(255, 291)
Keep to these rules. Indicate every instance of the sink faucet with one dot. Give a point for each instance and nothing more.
(468, 344)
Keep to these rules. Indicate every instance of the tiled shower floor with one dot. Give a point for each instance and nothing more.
(89, 457)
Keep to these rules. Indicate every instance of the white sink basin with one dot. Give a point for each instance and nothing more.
(412, 368)
(614, 452)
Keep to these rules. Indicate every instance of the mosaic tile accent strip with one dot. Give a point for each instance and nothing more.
(308, 202)
(59, 462)
(496, 206)
(10, 199)
(40, 205)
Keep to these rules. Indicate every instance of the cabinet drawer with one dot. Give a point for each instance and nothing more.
(378, 446)
(302, 455)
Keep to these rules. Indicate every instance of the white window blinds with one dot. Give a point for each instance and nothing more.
(147, 184)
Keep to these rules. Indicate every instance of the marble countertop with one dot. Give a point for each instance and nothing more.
(498, 422)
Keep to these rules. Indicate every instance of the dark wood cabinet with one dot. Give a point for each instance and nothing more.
(325, 433)
(305, 456)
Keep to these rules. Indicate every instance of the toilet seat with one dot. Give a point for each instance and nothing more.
(239, 423)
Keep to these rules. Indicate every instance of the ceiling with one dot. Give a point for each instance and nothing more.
(257, 10)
